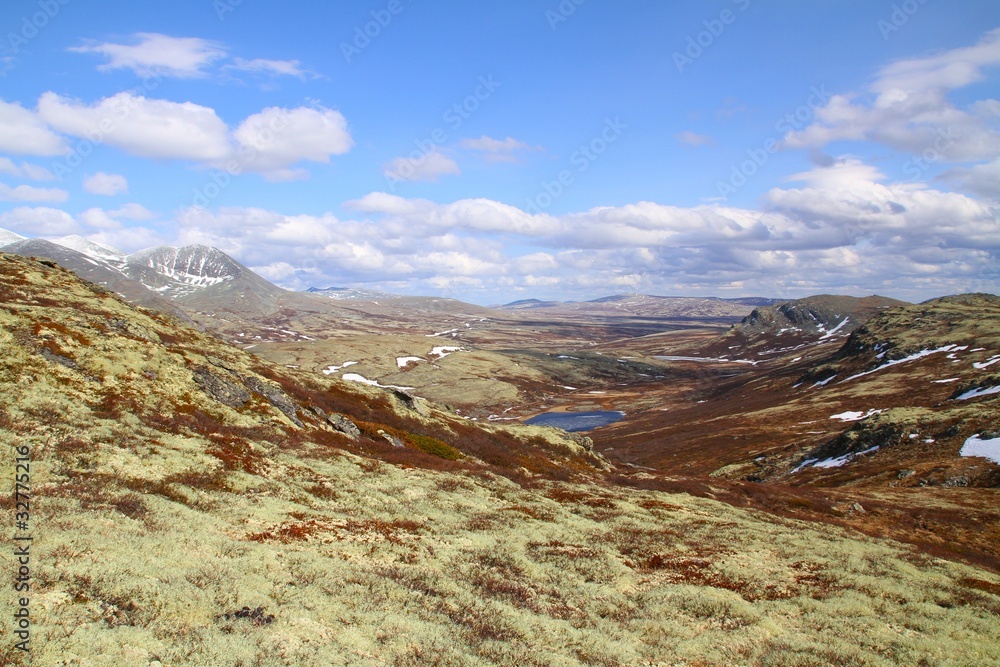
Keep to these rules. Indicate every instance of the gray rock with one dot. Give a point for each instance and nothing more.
(222, 389)
(344, 425)
(275, 397)
(391, 439)
(59, 359)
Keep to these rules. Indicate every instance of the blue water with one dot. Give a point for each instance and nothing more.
(576, 421)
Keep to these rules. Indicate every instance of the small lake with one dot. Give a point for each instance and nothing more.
(576, 421)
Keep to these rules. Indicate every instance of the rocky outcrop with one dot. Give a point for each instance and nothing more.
(220, 388)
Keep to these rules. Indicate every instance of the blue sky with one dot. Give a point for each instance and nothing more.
(498, 150)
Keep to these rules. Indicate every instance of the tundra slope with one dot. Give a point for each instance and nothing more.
(195, 505)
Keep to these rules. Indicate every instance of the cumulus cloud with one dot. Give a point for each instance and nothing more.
(982, 179)
(269, 142)
(141, 126)
(40, 221)
(907, 108)
(25, 170)
(99, 218)
(28, 193)
(105, 184)
(276, 138)
(429, 166)
(840, 227)
(154, 54)
(24, 133)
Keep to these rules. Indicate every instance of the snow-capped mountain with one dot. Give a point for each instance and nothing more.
(182, 271)
(7, 237)
(93, 250)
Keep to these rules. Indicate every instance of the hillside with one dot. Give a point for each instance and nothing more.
(795, 325)
(195, 505)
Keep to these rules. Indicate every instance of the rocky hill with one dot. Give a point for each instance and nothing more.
(191, 504)
(793, 325)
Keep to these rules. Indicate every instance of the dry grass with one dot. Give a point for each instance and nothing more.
(181, 531)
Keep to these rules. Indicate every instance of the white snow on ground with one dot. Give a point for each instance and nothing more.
(912, 357)
(988, 449)
(333, 369)
(442, 351)
(975, 393)
(834, 330)
(852, 416)
(825, 382)
(568, 387)
(354, 377)
(948, 381)
(986, 364)
(832, 462)
(841, 460)
(442, 333)
(403, 361)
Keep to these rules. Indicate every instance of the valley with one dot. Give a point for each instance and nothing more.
(849, 442)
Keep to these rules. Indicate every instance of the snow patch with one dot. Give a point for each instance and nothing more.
(975, 393)
(852, 416)
(442, 351)
(986, 364)
(333, 369)
(403, 362)
(912, 357)
(834, 330)
(987, 449)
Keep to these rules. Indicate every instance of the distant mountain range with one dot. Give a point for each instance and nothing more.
(198, 278)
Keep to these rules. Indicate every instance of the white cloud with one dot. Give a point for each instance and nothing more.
(25, 170)
(99, 218)
(263, 66)
(158, 55)
(982, 179)
(496, 150)
(841, 228)
(24, 133)
(277, 138)
(141, 126)
(39, 221)
(105, 184)
(907, 108)
(429, 166)
(270, 142)
(689, 138)
(28, 193)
